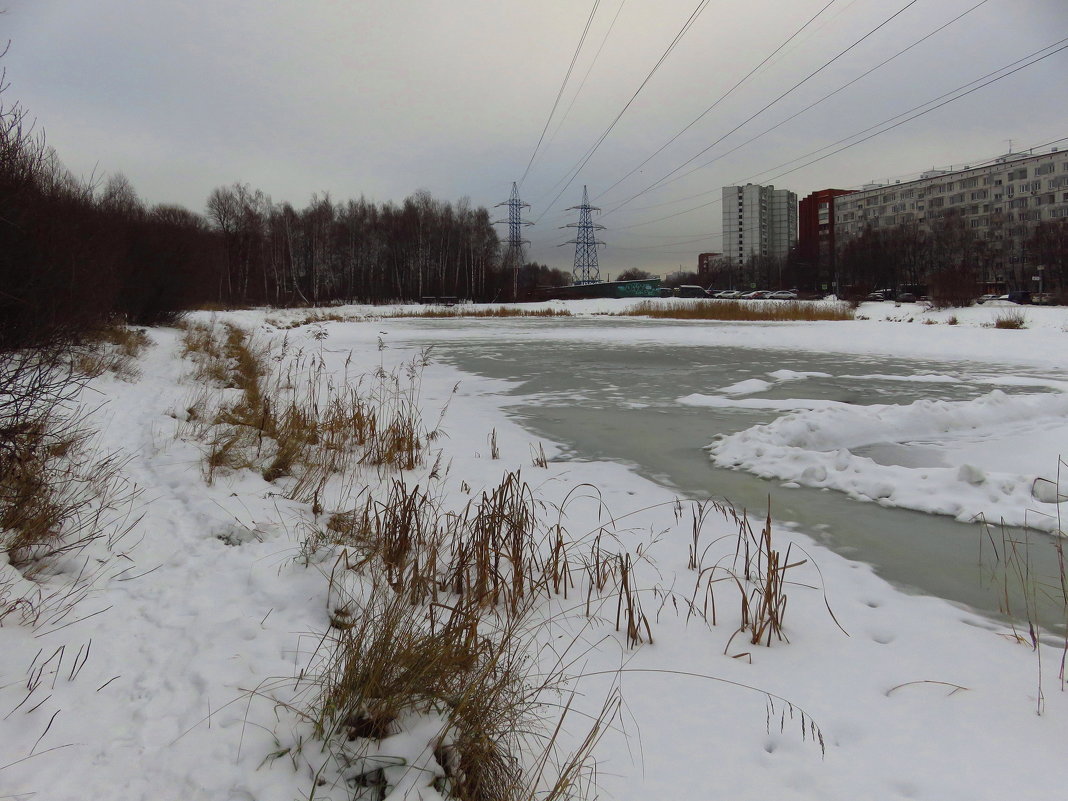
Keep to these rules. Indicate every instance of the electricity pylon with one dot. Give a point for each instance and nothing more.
(514, 255)
(586, 270)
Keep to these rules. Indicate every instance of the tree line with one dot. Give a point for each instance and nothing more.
(949, 260)
(76, 253)
(952, 260)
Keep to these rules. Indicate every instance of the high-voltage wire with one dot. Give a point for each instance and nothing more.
(560, 94)
(575, 170)
(945, 99)
(721, 98)
(714, 235)
(922, 113)
(769, 105)
(589, 69)
(812, 105)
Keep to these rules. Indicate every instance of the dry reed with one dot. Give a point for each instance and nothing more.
(469, 311)
(735, 311)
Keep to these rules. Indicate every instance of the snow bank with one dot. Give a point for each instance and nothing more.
(967, 459)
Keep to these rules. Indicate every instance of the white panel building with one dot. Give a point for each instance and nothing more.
(1001, 201)
(758, 221)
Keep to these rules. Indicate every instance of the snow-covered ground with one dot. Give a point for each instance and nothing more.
(172, 679)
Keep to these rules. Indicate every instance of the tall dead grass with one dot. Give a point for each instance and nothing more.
(436, 313)
(432, 618)
(735, 311)
(433, 615)
(113, 349)
(281, 415)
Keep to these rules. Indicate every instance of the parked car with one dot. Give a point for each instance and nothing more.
(984, 298)
(906, 297)
(665, 292)
(730, 294)
(692, 291)
(756, 294)
(1043, 299)
(715, 293)
(1021, 296)
(783, 294)
(881, 294)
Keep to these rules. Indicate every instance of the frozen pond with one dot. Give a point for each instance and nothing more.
(604, 399)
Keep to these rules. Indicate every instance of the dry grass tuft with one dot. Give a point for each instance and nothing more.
(735, 311)
(399, 664)
(757, 571)
(113, 349)
(1013, 319)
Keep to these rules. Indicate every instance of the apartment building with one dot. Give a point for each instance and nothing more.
(1001, 201)
(758, 221)
(816, 242)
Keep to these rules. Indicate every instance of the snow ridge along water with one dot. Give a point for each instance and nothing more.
(945, 457)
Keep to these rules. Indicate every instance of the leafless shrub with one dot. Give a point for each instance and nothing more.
(57, 493)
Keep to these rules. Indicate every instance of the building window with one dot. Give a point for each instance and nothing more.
(1045, 169)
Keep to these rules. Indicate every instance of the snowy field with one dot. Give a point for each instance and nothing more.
(178, 675)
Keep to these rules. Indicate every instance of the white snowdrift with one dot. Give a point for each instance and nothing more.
(968, 459)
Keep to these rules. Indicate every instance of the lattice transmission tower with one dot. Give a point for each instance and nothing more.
(514, 256)
(586, 270)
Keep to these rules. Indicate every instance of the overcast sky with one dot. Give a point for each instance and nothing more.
(381, 98)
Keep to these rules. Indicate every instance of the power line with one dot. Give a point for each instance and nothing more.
(720, 234)
(560, 94)
(812, 105)
(769, 105)
(589, 69)
(951, 95)
(575, 170)
(721, 98)
(922, 113)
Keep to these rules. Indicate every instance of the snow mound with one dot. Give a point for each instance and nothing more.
(795, 375)
(748, 387)
(973, 459)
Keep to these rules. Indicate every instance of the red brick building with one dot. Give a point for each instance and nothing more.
(816, 240)
(705, 262)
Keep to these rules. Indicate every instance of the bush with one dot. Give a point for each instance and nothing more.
(1014, 319)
